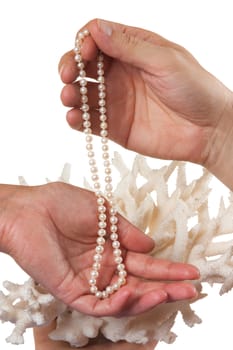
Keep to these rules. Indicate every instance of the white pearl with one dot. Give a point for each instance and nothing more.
(100, 57)
(100, 201)
(89, 146)
(100, 64)
(98, 295)
(103, 125)
(102, 232)
(113, 211)
(118, 259)
(86, 116)
(93, 289)
(115, 286)
(96, 266)
(113, 228)
(103, 133)
(115, 244)
(102, 110)
(105, 155)
(104, 294)
(78, 41)
(120, 267)
(92, 162)
(121, 281)
(100, 72)
(101, 87)
(86, 32)
(86, 124)
(102, 224)
(103, 117)
(95, 177)
(88, 138)
(80, 65)
(114, 236)
(102, 94)
(109, 290)
(77, 49)
(100, 240)
(106, 163)
(96, 185)
(105, 148)
(83, 82)
(102, 217)
(108, 171)
(100, 79)
(101, 208)
(90, 154)
(108, 179)
(78, 57)
(113, 219)
(85, 106)
(80, 35)
(93, 169)
(109, 196)
(83, 90)
(97, 257)
(117, 252)
(82, 73)
(122, 273)
(92, 281)
(84, 98)
(108, 187)
(101, 102)
(104, 140)
(94, 274)
(99, 249)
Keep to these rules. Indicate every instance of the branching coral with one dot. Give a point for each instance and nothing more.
(178, 220)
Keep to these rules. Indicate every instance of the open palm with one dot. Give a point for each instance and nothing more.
(51, 233)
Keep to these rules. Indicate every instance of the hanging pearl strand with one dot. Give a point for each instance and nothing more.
(101, 201)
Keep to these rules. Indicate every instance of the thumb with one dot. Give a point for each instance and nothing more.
(141, 48)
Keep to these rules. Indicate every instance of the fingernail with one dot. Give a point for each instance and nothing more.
(105, 27)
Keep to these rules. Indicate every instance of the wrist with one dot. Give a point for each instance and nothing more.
(220, 160)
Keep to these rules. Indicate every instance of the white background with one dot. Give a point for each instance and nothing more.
(34, 138)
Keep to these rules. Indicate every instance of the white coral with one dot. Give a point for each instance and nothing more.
(180, 224)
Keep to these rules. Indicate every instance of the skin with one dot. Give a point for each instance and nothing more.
(161, 102)
(42, 342)
(47, 231)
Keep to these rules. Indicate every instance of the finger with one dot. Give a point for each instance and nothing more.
(71, 97)
(150, 295)
(133, 239)
(128, 301)
(140, 48)
(68, 68)
(75, 120)
(150, 268)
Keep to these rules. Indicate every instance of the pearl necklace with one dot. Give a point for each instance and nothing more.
(101, 201)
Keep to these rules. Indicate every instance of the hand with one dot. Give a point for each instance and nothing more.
(160, 101)
(50, 231)
(42, 342)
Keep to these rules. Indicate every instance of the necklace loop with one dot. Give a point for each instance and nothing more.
(107, 214)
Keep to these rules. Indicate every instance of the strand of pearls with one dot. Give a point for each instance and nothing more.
(101, 201)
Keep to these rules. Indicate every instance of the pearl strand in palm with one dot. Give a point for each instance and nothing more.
(101, 201)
